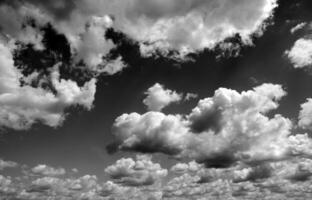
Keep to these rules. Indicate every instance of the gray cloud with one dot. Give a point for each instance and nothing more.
(139, 172)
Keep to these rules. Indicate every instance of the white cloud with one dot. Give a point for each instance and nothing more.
(22, 106)
(112, 67)
(305, 115)
(158, 97)
(151, 132)
(48, 171)
(285, 179)
(191, 25)
(141, 171)
(220, 130)
(7, 164)
(12, 20)
(186, 26)
(300, 54)
(91, 45)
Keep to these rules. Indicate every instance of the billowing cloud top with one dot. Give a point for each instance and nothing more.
(220, 131)
(81, 27)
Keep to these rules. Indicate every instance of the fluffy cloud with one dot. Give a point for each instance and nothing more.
(23, 105)
(143, 171)
(151, 132)
(48, 171)
(300, 54)
(158, 97)
(7, 164)
(305, 115)
(192, 25)
(220, 130)
(285, 179)
(158, 25)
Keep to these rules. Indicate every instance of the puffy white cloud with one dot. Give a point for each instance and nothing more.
(158, 97)
(220, 130)
(300, 54)
(305, 115)
(143, 171)
(158, 25)
(151, 132)
(7, 164)
(22, 105)
(46, 170)
(231, 125)
(191, 25)
(285, 179)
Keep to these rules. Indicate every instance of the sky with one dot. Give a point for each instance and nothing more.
(155, 99)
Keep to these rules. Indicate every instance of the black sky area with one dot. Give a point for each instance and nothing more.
(81, 141)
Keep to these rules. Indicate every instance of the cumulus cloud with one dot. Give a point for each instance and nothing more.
(48, 171)
(300, 54)
(305, 115)
(151, 132)
(181, 168)
(140, 172)
(157, 25)
(192, 25)
(23, 105)
(284, 179)
(7, 164)
(158, 97)
(220, 131)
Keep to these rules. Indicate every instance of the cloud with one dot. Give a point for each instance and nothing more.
(48, 171)
(21, 106)
(92, 45)
(221, 130)
(158, 97)
(7, 164)
(298, 27)
(191, 26)
(156, 25)
(181, 168)
(305, 115)
(151, 132)
(300, 54)
(141, 172)
(284, 179)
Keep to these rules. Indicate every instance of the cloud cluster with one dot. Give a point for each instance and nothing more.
(157, 25)
(141, 172)
(190, 26)
(154, 25)
(23, 105)
(285, 179)
(221, 130)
